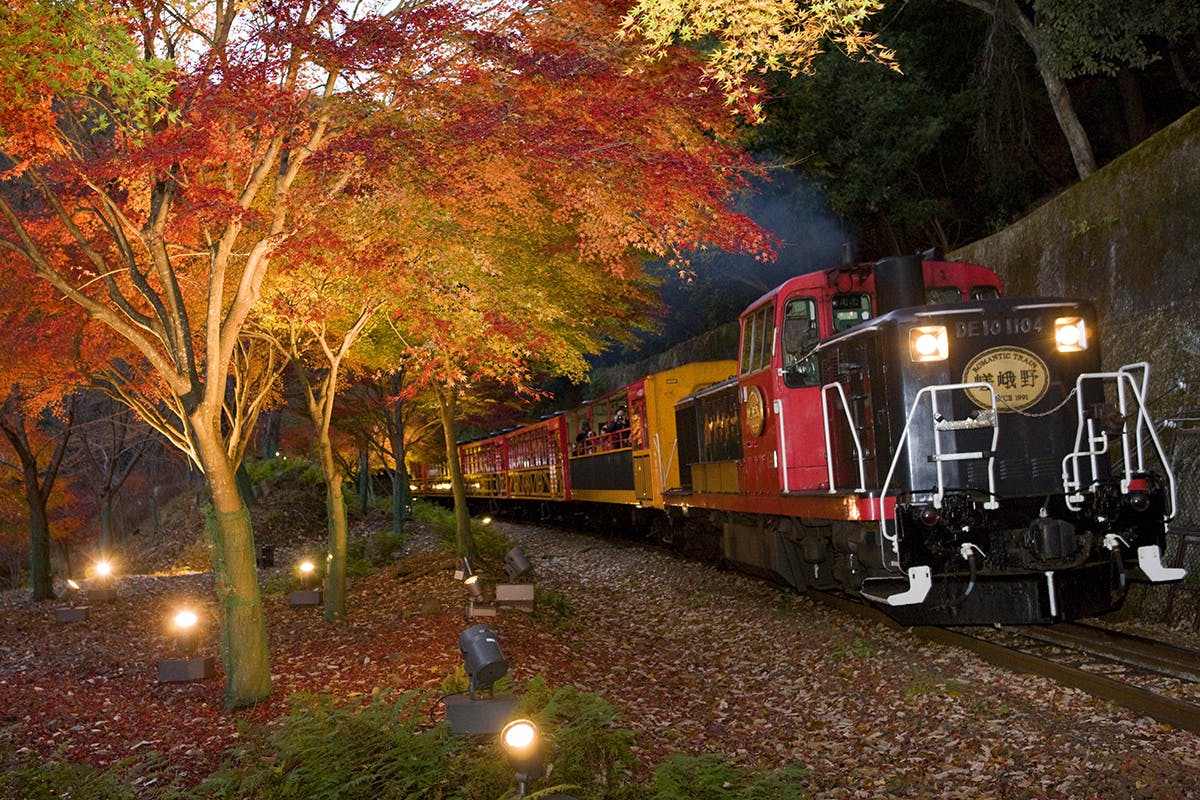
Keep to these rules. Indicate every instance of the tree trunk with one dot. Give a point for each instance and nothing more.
(335, 513)
(400, 489)
(465, 543)
(1056, 88)
(1131, 102)
(364, 479)
(230, 537)
(39, 546)
(106, 522)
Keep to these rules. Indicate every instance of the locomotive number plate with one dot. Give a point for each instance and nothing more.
(1019, 377)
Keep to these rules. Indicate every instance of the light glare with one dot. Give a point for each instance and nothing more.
(103, 569)
(928, 343)
(519, 734)
(185, 619)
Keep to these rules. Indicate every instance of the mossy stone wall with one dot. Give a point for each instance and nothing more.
(1127, 238)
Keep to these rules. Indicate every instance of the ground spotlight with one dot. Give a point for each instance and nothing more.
(71, 613)
(482, 658)
(185, 628)
(187, 666)
(516, 564)
(308, 594)
(522, 744)
(474, 589)
(467, 713)
(101, 588)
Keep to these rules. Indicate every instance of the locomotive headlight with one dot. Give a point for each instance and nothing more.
(1070, 334)
(928, 343)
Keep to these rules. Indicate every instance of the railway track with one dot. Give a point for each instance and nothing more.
(1151, 678)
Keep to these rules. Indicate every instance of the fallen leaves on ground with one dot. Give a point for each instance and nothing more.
(699, 660)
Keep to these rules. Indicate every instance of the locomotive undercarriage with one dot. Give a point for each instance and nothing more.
(1029, 560)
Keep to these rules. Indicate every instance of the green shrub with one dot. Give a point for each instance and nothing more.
(710, 777)
(28, 778)
(367, 748)
(583, 740)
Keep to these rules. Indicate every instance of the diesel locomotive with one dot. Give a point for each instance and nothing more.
(900, 430)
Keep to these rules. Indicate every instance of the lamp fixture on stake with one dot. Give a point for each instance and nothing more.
(522, 742)
(308, 594)
(471, 713)
(187, 666)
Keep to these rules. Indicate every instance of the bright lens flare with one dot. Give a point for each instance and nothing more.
(519, 734)
(185, 620)
(928, 343)
(72, 584)
(103, 569)
(306, 567)
(1070, 334)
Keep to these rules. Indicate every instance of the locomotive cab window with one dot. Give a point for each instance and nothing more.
(849, 309)
(984, 293)
(942, 294)
(798, 338)
(758, 331)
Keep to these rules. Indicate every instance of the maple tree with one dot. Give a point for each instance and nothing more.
(757, 36)
(154, 151)
(35, 449)
(161, 157)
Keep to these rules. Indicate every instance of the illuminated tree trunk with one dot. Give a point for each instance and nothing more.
(231, 543)
(465, 543)
(400, 490)
(338, 530)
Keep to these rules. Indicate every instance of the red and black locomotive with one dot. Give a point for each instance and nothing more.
(900, 430)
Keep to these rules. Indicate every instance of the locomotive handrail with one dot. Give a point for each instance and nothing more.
(939, 456)
(858, 453)
(1126, 383)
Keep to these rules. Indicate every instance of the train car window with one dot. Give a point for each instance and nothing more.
(798, 338)
(747, 343)
(942, 294)
(849, 309)
(984, 293)
(758, 331)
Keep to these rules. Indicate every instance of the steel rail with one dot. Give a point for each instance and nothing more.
(1178, 713)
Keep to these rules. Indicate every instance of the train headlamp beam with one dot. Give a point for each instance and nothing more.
(928, 343)
(1070, 334)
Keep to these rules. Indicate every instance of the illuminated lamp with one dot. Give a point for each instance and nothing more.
(472, 713)
(72, 613)
(102, 588)
(928, 343)
(308, 594)
(522, 743)
(1070, 334)
(474, 589)
(187, 666)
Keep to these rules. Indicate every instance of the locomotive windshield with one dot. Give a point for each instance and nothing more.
(799, 337)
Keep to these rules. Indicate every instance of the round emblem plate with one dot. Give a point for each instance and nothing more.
(1019, 376)
(756, 410)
